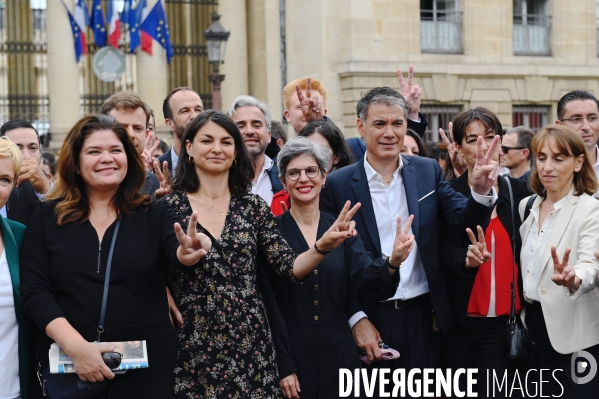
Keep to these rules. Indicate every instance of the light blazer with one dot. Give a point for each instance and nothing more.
(429, 198)
(572, 322)
(12, 234)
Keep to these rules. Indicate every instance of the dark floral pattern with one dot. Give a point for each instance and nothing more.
(225, 346)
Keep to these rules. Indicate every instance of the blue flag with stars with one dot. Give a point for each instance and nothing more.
(97, 22)
(156, 26)
(125, 15)
(134, 25)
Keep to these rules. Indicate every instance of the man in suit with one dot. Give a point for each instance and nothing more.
(179, 108)
(134, 114)
(32, 184)
(391, 187)
(253, 119)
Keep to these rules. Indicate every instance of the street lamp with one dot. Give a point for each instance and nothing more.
(216, 41)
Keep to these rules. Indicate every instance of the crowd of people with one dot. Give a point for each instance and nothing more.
(255, 265)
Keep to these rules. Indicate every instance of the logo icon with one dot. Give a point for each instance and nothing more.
(587, 366)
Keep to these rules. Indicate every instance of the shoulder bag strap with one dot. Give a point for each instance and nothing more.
(107, 280)
(512, 285)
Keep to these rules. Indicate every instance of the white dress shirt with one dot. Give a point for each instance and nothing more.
(263, 186)
(9, 335)
(533, 249)
(388, 202)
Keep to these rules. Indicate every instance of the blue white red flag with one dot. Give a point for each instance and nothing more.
(136, 17)
(114, 25)
(156, 25)
(78, 35)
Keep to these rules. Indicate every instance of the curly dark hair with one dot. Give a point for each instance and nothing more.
(241, 173)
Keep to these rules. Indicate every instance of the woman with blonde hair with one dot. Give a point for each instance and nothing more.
(560, 273)
(14, 359)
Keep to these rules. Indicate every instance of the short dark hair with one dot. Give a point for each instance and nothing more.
(163, 146)
(385, 95)
(18, 124)
(166, 106)
(525, 136)
(573, 96)
(335, 139)
(277, 130)
(126, 100)
(483, 115)
(240, 175)
(432, 149)
(70, 190)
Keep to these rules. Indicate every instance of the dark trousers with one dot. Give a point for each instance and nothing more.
(548, 358)
(410, 332)
(478, 343)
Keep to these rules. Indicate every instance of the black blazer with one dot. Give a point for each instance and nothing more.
(21, 203)
(430, 198)
(454, 243)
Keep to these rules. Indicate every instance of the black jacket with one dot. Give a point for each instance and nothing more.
(454, 244)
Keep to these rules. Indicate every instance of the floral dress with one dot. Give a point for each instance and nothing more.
(226, 348)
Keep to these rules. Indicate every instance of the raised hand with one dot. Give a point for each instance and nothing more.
(459, 166)
(403, 244)
(163, 178)
(312, 108)
(342, 229)
(193, 246)
(477, 251)
(485, 170)
(147, 155)
(31, 171)
(411, 93)
(563, 274)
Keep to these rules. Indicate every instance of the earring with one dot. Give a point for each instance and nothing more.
(190, 159)
(234, 163)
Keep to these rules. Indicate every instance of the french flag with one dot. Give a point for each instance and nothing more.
(81, 16)
(114, 25)
(78, 35)
(137, 35)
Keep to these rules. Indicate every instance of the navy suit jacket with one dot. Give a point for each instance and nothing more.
(167, 157)
(21, 203)
(429, 198)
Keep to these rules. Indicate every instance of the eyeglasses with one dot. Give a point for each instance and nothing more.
(505, 149)
(311, 172)
(577, 120)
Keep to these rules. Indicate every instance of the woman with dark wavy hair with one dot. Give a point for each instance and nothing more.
(226, 345)
(65, 254)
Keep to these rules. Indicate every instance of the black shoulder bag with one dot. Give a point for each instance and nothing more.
(520, 345)
(70, 386)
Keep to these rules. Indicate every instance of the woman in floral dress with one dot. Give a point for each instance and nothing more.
(225, 345)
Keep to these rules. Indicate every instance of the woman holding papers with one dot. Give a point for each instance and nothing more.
(14, 359)
(64, 261)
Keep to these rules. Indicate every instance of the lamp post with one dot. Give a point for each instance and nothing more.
(216, 41)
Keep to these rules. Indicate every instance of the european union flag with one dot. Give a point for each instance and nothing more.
(156, 25)
(97, 22)
(125, 15)
(135, 20)
(78, 36)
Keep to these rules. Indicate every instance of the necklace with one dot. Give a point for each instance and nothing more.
(210, 203)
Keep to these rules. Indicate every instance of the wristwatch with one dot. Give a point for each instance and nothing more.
(390, 266)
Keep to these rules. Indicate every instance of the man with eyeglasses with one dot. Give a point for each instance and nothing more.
(579, 110)
(516, 152)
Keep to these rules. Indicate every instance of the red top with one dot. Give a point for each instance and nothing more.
(275, 206)
(502, 255)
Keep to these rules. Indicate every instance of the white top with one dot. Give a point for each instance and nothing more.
(174, 161)
(596, 166)
(533, 249)
(263, 186)
(388, 202)
(9, 336)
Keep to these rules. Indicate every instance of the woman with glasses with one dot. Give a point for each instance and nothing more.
(317, 312)
(225, 344)
(480, 267)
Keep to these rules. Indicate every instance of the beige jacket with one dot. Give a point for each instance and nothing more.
(572, 318)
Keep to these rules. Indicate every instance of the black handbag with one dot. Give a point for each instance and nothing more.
(520, 345)
(70, 386)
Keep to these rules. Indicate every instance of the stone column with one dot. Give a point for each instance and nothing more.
(152, 80)
(63, 72)
(235, 68)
